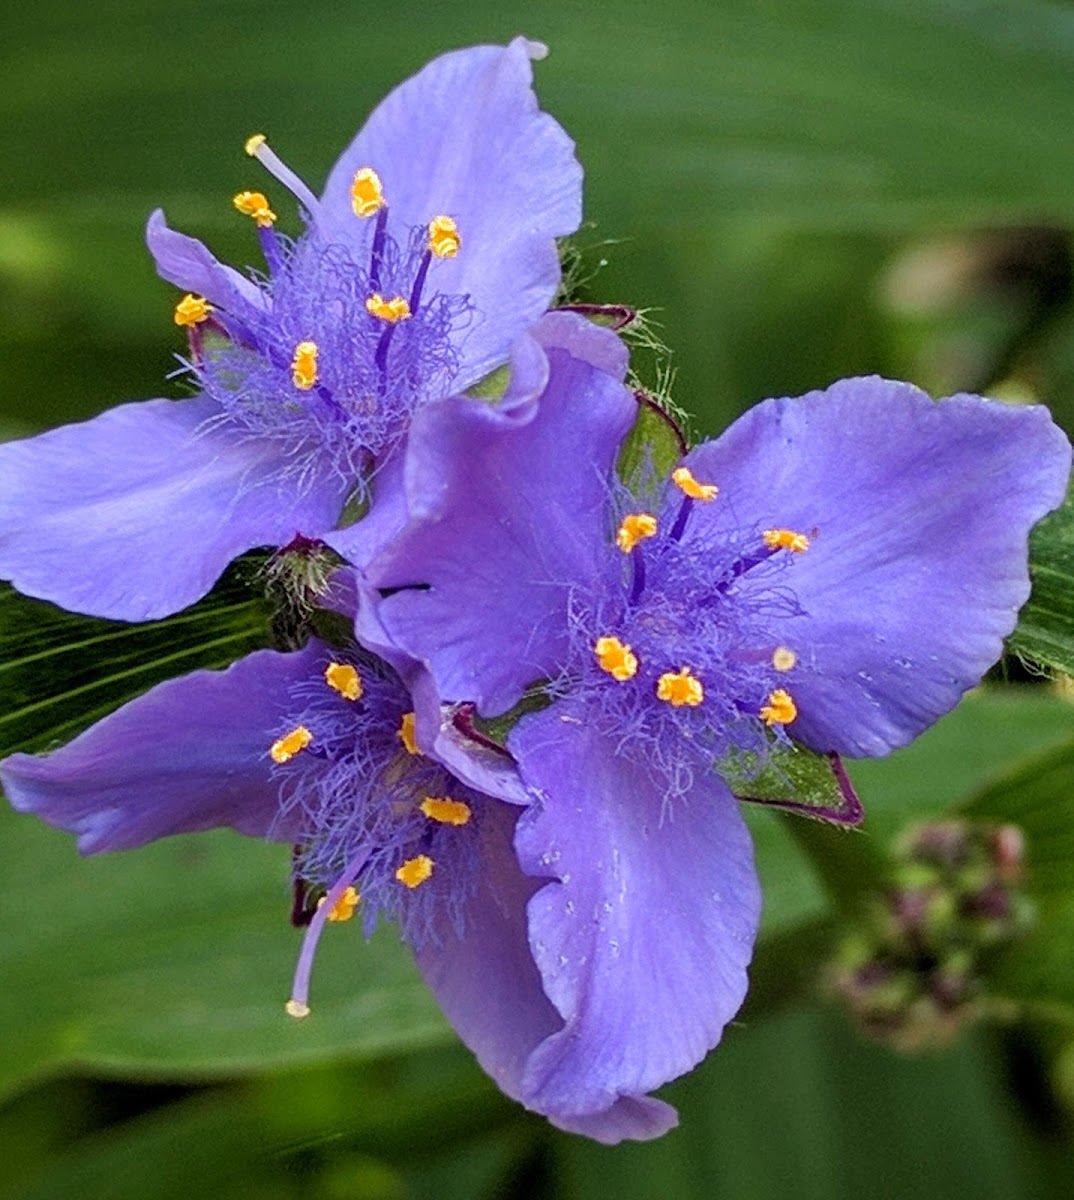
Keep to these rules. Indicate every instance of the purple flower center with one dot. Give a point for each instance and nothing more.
(383, 830)
(678, 648)
(348, 341)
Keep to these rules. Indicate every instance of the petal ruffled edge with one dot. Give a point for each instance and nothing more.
(922, 511)
(159, 766)
(644, 935)
(465, 137)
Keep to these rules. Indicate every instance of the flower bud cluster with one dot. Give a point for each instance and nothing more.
(916, 971)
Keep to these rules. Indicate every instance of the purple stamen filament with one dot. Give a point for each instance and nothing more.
(679, 528)
(638, 584)
(298, 1005)
(270, 248)
(376, 258)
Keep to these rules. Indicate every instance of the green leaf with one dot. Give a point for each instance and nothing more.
(1037, 796)
(802, 1107)
(1045, 630)
(60, 672)
(174, 962)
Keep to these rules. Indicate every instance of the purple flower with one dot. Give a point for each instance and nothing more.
(319, 751)
(430, 250)
(835, 569)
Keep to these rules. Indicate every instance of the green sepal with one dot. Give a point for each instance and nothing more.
(1045, 632)
(795, 780)
(497, 729)
(61, 672)
(492, 387)
(651, 450)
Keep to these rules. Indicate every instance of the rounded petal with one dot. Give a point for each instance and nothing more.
(188, 264)
(465, 138)
(490, 990)
(134, 514)
(191, 754)
(645, 932)
(918, 567)
(506, 510)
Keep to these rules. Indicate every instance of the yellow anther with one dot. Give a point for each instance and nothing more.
(444, 240)
(285, 748)
(256, 205)
(296, 1009)
(635, 528)
(344, 907)
(367, 194)
(684, 478)
(415, 871)
(784, 658)
(192, 310)
(393, 310)
(343, 678)
(616, 658)
(406, 734)
(254, 143)
(447, 812)
(785, 539)
(780, 709)
(680, 689)
(304, 366)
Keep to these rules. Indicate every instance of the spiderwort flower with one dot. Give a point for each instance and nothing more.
(837, 569)
(320, 752)
(430, 250)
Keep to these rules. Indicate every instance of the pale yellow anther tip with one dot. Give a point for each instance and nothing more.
(784, 658)
(680, 689)
(367, 193)
(415, 871)
(444, 240)
(296, 1009)
(635, 527)
(344, 679)
(616, 658)
(406, 733)
(254, 143)
(780, 709)
(285, 748)
(786, 539)
(392, 311)
(683, 478)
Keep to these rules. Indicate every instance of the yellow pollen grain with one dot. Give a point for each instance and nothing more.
(367, 193)
(304, 366)
(616, 658)
(415, 871)
(192, 310)
(344, 907)
(635, 528)
(780, 709)
(447, 812)
(406, 734)
(254, 143)
(256, 205)
(681, 689)
(343, 678)
(785, 539)
(393, 310)
(285, 748)
(444, 240)
(784, 658)
(683, 477)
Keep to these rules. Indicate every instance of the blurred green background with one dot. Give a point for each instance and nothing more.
(799, 190)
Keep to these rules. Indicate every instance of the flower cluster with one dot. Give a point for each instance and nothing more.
(579, 891)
